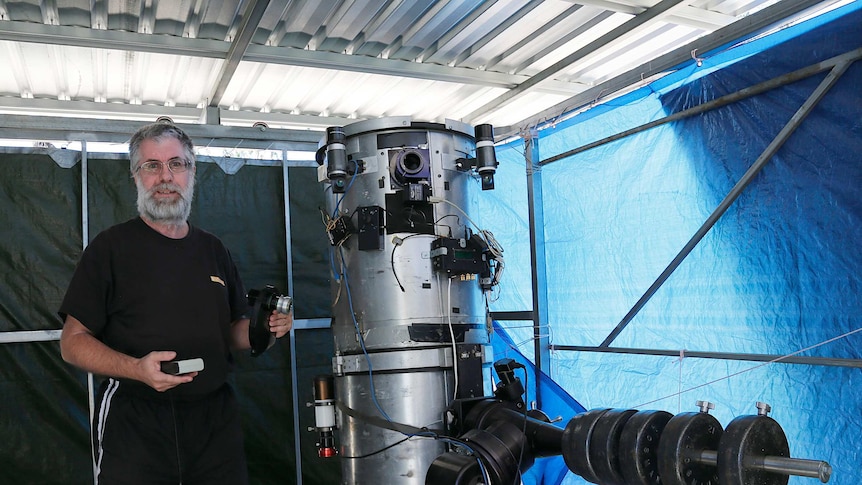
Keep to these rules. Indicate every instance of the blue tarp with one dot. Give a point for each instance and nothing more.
(778, 273)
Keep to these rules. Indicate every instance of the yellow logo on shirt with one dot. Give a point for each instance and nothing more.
(216, 279)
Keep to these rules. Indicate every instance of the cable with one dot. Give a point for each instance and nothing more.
(463, 444)
(176, 437)
(361, 338)
(452, 334)
(447, 226)
(777, 359)
(381, 450)
(493, 245)
(396, 242)
(392, 261)
(489, 322)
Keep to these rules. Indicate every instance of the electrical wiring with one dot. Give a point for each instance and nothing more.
(457, 221)
(361, 339)
(493, 245)
(445, 439)
(463, 444)
(377, 452)
(397, 242)
(452, 335)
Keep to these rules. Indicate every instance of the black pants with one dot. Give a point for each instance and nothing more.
(140, 441)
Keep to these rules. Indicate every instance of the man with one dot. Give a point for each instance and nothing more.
(151, 290)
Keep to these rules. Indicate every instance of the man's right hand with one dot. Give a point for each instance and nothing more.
(82, 349)
(150, 367)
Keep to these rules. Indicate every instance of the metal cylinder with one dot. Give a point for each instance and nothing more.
(324, 415)
(283, 304)
(486, 158)
(409, 324)
(336, 158)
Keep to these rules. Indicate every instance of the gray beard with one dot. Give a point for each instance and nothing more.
(166, 212)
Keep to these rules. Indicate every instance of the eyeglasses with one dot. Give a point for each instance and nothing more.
(175, 165)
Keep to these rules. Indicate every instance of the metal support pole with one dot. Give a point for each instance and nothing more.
(85, 236)
(541, 341)
(28, 336)
(294, 379)
(737, 189)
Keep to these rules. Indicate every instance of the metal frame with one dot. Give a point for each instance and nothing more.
(118, 131)
(689, 354)
(836, 66)
(137, 42)
(665, 63)
(541, 341)
(481, 47)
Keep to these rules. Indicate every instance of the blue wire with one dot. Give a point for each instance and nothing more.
(361, 339)
(350, 298)
(335, 274)
(456, 442)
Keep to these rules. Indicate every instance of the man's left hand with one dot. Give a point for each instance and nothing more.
(280, 324)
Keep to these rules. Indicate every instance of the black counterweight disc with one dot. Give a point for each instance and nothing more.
(746, 439)
(605, 444)
(639, 447)
(576, 443)
(685, 436)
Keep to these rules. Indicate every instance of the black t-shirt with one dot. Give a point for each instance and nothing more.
(139, 291)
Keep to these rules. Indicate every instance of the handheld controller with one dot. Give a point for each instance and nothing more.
(177, 367)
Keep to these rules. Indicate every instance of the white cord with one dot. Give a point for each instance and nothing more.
(452, 335)
(493, 245)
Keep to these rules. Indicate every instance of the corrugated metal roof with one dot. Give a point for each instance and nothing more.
(315, 63)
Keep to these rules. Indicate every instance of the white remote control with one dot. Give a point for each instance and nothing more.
(177, 367)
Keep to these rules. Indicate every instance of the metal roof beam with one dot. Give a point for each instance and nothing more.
(147, 113)
(214, 49)
(619, 7)
(250, 20)
(750, 25)
(700, 18)
(49, 12)
(456, 29)
(500, 29)
(111, 39)
(639, 20)
(397, 68)
(99, 14)
(119, 131)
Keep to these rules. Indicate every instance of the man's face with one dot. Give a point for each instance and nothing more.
(164, 196)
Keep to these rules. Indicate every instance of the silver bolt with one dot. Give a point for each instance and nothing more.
(705, 406)
(763, 409)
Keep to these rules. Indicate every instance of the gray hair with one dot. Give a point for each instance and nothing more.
(158, 131)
